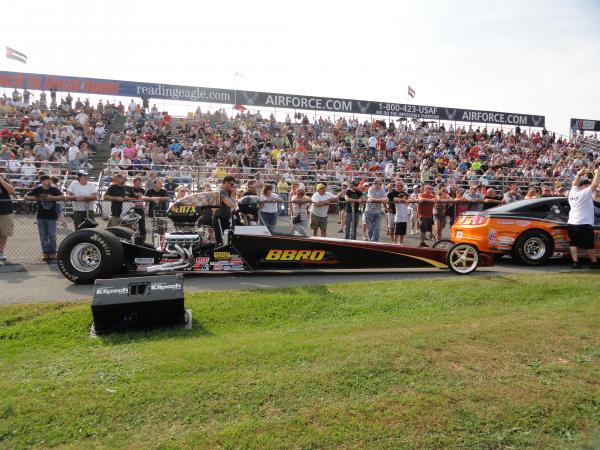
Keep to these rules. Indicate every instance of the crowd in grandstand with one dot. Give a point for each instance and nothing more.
(397, 176)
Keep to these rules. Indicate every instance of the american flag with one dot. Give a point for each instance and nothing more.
(411, 92)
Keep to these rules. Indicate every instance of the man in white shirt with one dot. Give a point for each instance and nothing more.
(82, 193)
(320, 207)
(581, 217)
(73, 158)
(82, 118)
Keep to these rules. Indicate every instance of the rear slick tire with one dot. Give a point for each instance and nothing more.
(533, 248)
(89, 254)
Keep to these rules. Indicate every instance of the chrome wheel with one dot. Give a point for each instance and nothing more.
(85, 257)
(534, 248)
(463, 258)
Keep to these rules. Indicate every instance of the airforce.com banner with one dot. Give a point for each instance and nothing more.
(21, 80)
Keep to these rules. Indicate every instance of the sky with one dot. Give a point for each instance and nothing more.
(528, 56)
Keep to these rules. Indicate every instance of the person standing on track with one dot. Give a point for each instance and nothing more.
(46, 196)
(581, 217)
(222, 218)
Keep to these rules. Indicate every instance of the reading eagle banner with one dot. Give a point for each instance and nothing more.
(21, 80)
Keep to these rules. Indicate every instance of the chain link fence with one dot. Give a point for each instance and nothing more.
(340, 220)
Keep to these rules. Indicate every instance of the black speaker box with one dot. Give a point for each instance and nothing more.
(124, 303)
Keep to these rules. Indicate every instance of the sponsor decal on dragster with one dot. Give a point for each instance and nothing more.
(183, 209)
(220, 256)
(308, 257)
(201, 263)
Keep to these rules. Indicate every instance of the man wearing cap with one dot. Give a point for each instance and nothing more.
(222, 218)
(117, 193)
(81, 193)
(581, 217)
(320, 208)
(46, 196)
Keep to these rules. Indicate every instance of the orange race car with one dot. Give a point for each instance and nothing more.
(530, 230)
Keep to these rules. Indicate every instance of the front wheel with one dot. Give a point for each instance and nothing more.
(88, 254)
(462, 259)
(533, 248)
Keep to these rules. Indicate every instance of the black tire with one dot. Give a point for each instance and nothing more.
(533, 248)
(444, 243)
(103, 245)
(456, 265)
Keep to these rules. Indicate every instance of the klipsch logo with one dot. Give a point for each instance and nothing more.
(109, 291)
(295, 255)
(363, 107)
(250, 99)
(164, 286)
(450, 113)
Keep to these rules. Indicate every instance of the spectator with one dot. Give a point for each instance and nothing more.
(299, 212)
(269, 204)
(354, 197)
(158, 198)
(401, 217)
(222, 219)
(46, 196)
(512, 195)
(7, 221)
(491, 199)
(474, 198)
(425, 213)
(376, 199)
(283, 189)
(139, 207)
(394, 190)
(73, 157)
(118, 193)
(81, 193)
(581, 217)
(440, 211)
(320, 209)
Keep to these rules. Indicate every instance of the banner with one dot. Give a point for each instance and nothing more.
(134, 89)
(585, 125)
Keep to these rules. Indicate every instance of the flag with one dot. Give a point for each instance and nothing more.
(411, 92)
(237, 74)
(13, 54)
(239, 107)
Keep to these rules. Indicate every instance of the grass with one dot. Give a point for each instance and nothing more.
(468, 362)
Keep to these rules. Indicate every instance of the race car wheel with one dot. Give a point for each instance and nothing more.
(533, 248)
(88, 254)
(444, 243)
(462, 259)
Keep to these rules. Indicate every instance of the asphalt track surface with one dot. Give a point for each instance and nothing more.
(40, 283)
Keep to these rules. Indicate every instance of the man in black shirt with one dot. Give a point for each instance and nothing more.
(158, 197)
(7, 223)
(139, 207)
(353, 200)
(46, 196)
(117, 193)
(222, 219)
(393, 192)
